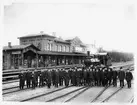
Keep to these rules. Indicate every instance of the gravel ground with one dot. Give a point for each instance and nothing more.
(56, 94)
(24, 94)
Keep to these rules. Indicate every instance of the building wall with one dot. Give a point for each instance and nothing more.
(47, 44)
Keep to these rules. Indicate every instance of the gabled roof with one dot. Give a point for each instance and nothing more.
(19, 47)
(36, 35)
(61, 40)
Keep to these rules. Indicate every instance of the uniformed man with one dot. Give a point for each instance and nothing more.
(74, 77)
(33, 80)
(22, 80)
(41, 79)
(48, 79)
(129, 77)
(66, 78)
(109, 76)
(70, 75)
(114, 77)
(91, 77)
(28, 78)
(103, 77)
(56, 78)
(85, 77)
(106, 77)
(81, 77)
(61, 77)
(100, 75)
(77, 77)
(53, 76)
(121, 76)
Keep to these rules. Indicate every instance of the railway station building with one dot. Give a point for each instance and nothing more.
(43, 50)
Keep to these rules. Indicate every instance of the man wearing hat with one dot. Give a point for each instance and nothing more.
(129, 77)
(28, 78)
(21, 80)
(121, 77)
(114, 77)
(33, 80)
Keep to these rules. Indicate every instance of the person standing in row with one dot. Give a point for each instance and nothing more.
(28, 78)
(66, 78)
(109, 76)
(56, 78)
(48, 78)
(41, 79)
(114, 77)
(33, 80)
(21, 80)
(121, 77)
(128, 78)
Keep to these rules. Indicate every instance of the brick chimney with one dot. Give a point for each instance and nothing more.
(9, 44)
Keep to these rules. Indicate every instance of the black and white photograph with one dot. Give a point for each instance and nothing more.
(68, 52)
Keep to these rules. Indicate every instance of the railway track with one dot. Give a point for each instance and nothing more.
(66, 94)
(44, 94)
(106, 99)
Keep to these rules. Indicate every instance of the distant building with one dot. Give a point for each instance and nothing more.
(42, 50)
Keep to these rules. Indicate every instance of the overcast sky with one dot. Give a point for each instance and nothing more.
(111, 26)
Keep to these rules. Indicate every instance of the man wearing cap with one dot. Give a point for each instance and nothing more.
(48, 78)
(74, 77)
(33, 80)
(129, 77)
(28, 78)
(109, 76)
(53, 76)
(66, 77)
(56, 78)
(121, 76)
(21, 80)
(114, 77)
(85, 77)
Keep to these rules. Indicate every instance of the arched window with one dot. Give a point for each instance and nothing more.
(48, 47)
(39, 45)
(65, 48)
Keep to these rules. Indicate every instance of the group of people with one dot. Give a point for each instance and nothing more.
(92, 76)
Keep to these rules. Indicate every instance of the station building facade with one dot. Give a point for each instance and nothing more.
(42, 50)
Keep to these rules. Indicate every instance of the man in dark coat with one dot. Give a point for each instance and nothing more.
(129, 77)
(37, 75)
(70, 75)
(77, 77)
(74, 77)
(81, 77)
(97, 77)
(106, 77)
(91, 77)
(48, 78)
(41, 79)
(53, 76)
(121, 77)
(85, 77)
(28, 78)
(56, 78)
(61, 77)
(109, 76)
(21, 80)
(114, 77)
(102, 77)
(33, 80)
(66, 78)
